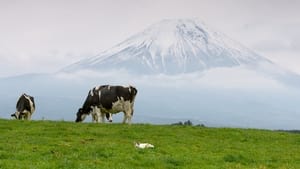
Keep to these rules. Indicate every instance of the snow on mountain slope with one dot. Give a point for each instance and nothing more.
(172, 47)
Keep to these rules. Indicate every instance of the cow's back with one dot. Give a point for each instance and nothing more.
(111, 94)
(128, 93)
(108, 95)
(23, 104)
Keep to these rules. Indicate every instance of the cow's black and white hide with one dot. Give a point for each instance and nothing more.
(108, 100)
(90, 106)
(25, 107)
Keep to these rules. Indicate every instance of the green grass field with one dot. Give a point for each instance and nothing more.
(54, 144)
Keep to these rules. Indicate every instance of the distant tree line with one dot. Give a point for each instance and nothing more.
(290, 131)
(187, 123)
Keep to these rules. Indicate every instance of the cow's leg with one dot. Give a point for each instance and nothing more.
(127, 116)
(124, 118)
(28, 116)
(102, 117)
(95, 116)
(128, 113)
(21, 115)
(98, 114)
(110, 118)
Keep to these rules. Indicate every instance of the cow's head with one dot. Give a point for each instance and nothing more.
(19, 115)
(15, 115)
(80, 115)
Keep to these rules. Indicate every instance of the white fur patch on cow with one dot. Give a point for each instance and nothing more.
(91, 93)
(96, 114)
(32, 109)
(121, 105)
(99, 94)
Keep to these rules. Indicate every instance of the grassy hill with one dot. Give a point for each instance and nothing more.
(52, 144)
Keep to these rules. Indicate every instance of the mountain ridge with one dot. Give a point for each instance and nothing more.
(172, 47)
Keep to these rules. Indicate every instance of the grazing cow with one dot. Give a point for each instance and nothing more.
(107, 100)
(25, 107)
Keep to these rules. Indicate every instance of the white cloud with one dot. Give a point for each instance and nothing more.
(219, 78)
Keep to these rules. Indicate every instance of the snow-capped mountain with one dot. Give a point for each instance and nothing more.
(172, 47)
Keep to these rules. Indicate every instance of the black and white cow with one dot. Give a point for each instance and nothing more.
(107, 100)
(25, 107)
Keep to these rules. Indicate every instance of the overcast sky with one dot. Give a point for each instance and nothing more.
(46, 35)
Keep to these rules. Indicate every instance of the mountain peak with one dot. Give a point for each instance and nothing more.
(172, 46)
(167, 32)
